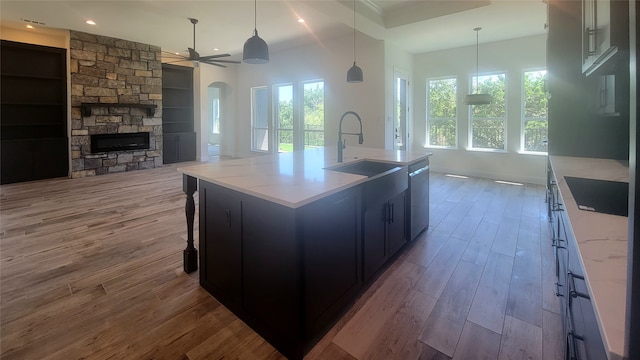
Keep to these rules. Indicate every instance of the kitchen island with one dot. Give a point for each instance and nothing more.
(287, 244)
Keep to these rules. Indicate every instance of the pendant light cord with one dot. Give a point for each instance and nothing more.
(477, 58)
(255, 15)
(477, 30)
(354, 31)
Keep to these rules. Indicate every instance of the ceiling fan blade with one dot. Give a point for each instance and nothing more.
(176, 61)
(213, 63)
(214, 56)
(221, 61)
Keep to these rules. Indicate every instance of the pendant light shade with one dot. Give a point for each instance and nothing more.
(255, 49)
(477, 99)
(354, 75)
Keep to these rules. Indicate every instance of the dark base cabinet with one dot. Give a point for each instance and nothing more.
(582, 334)
(33, 159)
(288, 273)
(384, 221)
(178, 147)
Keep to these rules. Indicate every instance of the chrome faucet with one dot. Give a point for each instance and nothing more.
(342, 144)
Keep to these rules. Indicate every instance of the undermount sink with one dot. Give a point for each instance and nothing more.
(364, 167)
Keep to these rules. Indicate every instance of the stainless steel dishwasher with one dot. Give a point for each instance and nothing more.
(418, 204)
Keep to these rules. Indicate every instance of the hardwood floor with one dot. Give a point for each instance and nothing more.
(92, 268)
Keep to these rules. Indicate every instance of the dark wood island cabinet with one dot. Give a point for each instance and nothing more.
(287, 245)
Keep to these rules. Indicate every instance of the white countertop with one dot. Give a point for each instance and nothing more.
(296, 178)
(602, 243)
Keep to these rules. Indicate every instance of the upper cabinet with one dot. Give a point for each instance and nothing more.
(602, 36)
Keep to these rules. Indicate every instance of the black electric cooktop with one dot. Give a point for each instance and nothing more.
(602, 196)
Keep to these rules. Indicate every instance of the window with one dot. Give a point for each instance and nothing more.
(297, 117)
(313, 114)
(259, 119)
(534, 111)
(441, 113)
(283, 114)
(488, 122)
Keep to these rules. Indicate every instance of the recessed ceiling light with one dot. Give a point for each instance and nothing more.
(90, 22)
(29, 26)
(300, 20)
(216, 49)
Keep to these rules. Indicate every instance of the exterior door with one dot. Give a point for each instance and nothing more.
(401, 111)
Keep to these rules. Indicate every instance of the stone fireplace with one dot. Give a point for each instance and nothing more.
(116, 101)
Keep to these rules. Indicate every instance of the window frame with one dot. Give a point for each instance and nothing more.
(524, 119)
(505, 118)
(427, 118)
(253, 120)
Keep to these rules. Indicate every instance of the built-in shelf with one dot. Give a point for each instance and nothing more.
(86, 107)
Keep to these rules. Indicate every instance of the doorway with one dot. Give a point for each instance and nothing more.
(215, 105)
(401, 110)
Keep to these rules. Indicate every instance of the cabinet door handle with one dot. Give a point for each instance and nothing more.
(558, 293)
(572, 286)
(572, 353)
(592, 35)
(391, 213)
(227, 214)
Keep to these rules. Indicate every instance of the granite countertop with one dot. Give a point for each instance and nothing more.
(602, 243)
(296, 178)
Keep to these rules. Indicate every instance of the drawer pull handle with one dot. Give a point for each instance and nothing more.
(572, 286)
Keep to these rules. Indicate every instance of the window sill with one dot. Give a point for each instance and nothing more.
(440, 147)
(501, 151)
(537, 153)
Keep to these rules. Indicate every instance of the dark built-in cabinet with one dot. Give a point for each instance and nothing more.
(588, 110)
(33, 108)
(602, 36)
(179, 138)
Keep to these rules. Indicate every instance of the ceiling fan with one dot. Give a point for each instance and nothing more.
(195, 58)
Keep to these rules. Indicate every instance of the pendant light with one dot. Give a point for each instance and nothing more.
(255, 49)
(477, 99)
(354, 75)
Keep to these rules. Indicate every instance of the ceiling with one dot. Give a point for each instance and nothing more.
(416, 26)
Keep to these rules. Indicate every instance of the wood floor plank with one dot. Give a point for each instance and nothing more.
(426, 248)
(506, 237)
(525, 294)
(334, 352)
(490, 300)
(444, 325)
(367, 324)
(477, 343)
(480, 244)
(404, 326)
(433, 279)
(520, 340)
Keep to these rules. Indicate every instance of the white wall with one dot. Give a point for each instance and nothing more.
(511, 57)
(328, 60)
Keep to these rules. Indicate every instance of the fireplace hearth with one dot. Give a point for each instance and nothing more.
(119, 142)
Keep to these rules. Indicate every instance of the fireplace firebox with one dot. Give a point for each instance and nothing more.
(119, 142)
